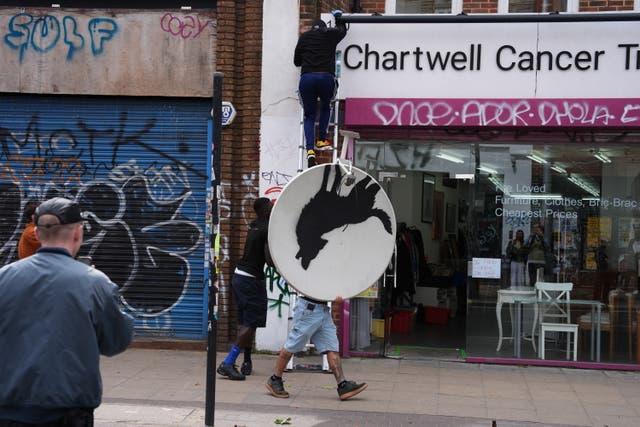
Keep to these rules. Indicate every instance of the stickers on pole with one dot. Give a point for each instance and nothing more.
(332, 233)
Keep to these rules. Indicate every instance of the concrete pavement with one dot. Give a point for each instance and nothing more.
(167, 387)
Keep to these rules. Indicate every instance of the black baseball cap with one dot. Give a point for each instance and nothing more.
(67, 211)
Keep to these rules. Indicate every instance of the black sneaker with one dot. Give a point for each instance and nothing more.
(348, 389)
(276, 388)
(246, 367)
(230, 371)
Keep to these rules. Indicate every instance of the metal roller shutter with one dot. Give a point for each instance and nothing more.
(138, 168)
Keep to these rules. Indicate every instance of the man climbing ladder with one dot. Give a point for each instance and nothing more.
(315, 54)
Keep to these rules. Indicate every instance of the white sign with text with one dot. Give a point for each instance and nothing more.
(491, 60)
(485, 268)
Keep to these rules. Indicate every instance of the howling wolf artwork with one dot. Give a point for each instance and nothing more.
(332, 232)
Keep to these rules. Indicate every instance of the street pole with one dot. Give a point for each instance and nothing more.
(212, 315)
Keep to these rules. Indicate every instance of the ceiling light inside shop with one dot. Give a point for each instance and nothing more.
(468, 176)
(602, 157)
(449, 157)
(586, 186)
(498, 183)
(558, 169)
(487, 169)
(428, 180)
(537, 159)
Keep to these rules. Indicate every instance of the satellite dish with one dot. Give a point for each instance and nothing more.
(332, 233)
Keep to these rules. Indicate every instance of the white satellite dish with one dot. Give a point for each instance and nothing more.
(332, 233)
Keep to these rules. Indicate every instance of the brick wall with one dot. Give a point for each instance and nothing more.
(239, 57)
(312, 9)
(372, 6)
(605, 6)
(470, 6)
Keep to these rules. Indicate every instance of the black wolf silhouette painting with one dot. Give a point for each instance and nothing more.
(328, 210)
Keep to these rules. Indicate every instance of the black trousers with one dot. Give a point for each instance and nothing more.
(80, 417)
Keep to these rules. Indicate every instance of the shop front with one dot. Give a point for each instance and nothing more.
(510, 153)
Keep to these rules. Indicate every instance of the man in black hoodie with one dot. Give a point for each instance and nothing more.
(315, 53)
(250, 291)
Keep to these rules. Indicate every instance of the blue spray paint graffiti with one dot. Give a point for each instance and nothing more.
(43, 34)
(141, 185)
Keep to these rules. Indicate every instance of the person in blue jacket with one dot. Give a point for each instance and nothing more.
(315, 53)
(58, 316)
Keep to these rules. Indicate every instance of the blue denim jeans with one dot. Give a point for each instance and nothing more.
(314, 86)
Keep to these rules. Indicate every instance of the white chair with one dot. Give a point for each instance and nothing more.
(555, 315)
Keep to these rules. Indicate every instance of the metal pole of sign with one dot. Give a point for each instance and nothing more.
(212, 315)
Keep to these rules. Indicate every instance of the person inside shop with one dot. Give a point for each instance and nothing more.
(537, 249)
(58, 317)
(602, 259)
(517, 254)
(250, 291)
(28, 243)
(315, 53)
(633, 251)
(312, 321)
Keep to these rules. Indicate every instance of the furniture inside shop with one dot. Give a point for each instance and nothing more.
(555, 315)
(596, 311)
(619, 321)
(595, 284)
(508, 296)
(606, 321)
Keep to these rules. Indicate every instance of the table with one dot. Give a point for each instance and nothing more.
(595, 305)
(637, 333)
(508, 296)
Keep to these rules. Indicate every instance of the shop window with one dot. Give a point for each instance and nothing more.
(537, 6)
(578, 193)
(423, 6)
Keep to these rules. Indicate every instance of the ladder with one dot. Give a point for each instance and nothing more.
(334, 119)
(302, 162)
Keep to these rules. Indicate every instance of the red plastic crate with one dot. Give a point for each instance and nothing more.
(401, 321)
(436, 315)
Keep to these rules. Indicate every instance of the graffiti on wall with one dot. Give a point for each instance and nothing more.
(142, 199)
(249, 190)
(493, 112)
(398, 155)
(277, 286)
(41, 34)
(185, 27)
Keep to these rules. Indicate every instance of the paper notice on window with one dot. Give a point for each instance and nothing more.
(485, 268)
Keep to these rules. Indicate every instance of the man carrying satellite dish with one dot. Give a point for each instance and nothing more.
(338, 241)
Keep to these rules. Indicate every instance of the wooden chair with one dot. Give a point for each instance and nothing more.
(555, 315)
(607, 320)
(632, 325)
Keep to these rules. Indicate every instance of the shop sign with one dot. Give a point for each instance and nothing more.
(491, 60)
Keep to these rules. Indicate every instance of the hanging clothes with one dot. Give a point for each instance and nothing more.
(412, 268)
